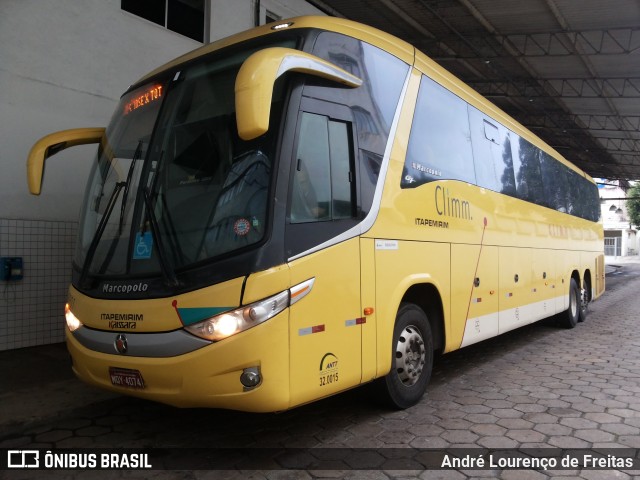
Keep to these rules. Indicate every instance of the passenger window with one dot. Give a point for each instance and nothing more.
(526, 165)
(555, 178)
(440, 142)
(323, 180)
(374, 103)
(491, 153)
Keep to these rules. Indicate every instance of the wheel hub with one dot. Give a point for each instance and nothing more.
(410, 355)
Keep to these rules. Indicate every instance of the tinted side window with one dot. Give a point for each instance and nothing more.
(593, 201)
(373, 105)
(370, 164)
(543, 180)
(491, 153)
(440, 142)
(584, 198)
(526, 166)
(555, 180)
(446, 129)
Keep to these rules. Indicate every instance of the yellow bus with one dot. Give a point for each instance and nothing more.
(306, 207)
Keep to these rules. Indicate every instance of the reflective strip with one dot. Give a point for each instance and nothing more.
(355, 321)
(310, 330)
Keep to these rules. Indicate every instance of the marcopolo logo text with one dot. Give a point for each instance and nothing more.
(126, 288)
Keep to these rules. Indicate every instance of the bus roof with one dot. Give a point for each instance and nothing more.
(395, 46)
(385, 41)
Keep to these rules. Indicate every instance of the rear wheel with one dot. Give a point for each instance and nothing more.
(584, 302)
(571, 316)
(412, 357)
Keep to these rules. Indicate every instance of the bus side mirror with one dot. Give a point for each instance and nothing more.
(52, 144)
(258, 74)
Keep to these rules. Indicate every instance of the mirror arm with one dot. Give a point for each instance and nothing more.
(258, 74)
(50, 145)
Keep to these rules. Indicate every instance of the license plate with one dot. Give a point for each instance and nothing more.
(127, 378)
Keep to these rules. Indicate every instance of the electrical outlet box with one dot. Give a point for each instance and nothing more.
(10, 268)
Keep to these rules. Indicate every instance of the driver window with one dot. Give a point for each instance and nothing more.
(323, 186)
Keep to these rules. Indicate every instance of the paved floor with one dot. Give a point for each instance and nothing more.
(537, 387)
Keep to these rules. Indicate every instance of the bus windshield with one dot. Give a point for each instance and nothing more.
(173, 184)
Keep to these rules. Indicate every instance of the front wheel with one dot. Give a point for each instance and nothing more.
(412, 357)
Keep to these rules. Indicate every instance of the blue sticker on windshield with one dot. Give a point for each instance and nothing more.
(143, 246)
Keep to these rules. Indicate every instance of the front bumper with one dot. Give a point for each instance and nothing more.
(206, 377)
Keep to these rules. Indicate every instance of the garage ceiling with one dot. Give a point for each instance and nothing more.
(568, 70)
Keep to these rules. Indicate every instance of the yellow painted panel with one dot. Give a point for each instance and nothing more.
(263, 284)
(61, 140)
(515, 287)
(368, 295)
(600, 275)
(471, 301)
(543, 281)
(325, 334)
(399, 266)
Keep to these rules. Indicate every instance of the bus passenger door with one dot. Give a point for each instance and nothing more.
(324, 326)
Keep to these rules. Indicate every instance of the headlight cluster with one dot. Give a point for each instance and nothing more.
(72, 321)
(232, 322)
(229, 323)
(235, 321)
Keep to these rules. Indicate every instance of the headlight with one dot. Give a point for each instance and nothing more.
(229, 323)
(72, 321)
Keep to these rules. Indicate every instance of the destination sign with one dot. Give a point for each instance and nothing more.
(141, 99)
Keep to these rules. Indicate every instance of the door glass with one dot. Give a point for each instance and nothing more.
(341, 193)
(323, 176)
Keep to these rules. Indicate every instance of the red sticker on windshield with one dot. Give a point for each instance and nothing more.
(241, 227)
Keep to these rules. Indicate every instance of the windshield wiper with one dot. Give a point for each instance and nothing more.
(100, 230)
(136, 157)
(167, 270)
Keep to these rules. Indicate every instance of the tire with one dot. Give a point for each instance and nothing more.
(571, 316)
(584, 303)
(412, 358)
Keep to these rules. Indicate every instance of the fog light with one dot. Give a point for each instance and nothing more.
(250, 377)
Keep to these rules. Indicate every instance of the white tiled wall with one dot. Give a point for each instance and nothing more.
(31, 309)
